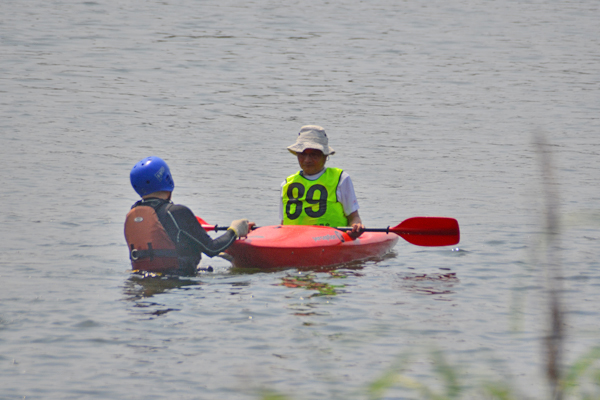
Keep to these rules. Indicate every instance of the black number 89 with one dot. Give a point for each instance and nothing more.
(296, 204)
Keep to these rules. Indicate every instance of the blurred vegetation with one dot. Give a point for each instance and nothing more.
(448, 382)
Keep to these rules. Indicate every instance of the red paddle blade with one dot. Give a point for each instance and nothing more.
(205, 224)
(429, 231)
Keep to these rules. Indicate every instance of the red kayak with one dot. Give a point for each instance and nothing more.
(297, 246)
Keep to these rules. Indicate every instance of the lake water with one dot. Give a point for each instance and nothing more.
(432, 108)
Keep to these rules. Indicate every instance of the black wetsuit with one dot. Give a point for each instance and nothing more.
(185, 231)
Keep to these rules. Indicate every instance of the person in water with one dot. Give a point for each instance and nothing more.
(318, 195)
(164, 237)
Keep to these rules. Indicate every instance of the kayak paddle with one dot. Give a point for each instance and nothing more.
(421, 231)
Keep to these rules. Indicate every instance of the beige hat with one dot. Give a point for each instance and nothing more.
(311, 137)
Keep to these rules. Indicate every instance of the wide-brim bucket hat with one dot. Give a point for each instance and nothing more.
(311, 137)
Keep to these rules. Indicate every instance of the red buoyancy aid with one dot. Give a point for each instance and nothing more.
(150, 247)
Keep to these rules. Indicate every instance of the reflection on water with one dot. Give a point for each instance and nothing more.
(309, 282)
(142, 286)
(352, 265)
(429, 284)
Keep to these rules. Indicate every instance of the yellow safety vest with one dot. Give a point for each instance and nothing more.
(307, 202)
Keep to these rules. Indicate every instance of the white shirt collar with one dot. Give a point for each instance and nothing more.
(315, 176)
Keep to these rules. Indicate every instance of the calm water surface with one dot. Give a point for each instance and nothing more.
(432, 109)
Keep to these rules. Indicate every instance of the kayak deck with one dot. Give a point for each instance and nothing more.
(297, 246)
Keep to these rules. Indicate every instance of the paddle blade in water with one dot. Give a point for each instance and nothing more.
(429, 231)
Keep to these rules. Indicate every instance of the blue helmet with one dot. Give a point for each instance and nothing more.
(151, 175)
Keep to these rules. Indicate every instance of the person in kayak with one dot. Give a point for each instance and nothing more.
(318, 195)
(165, 237)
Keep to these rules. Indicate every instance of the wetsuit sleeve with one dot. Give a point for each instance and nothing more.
(184, 229)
